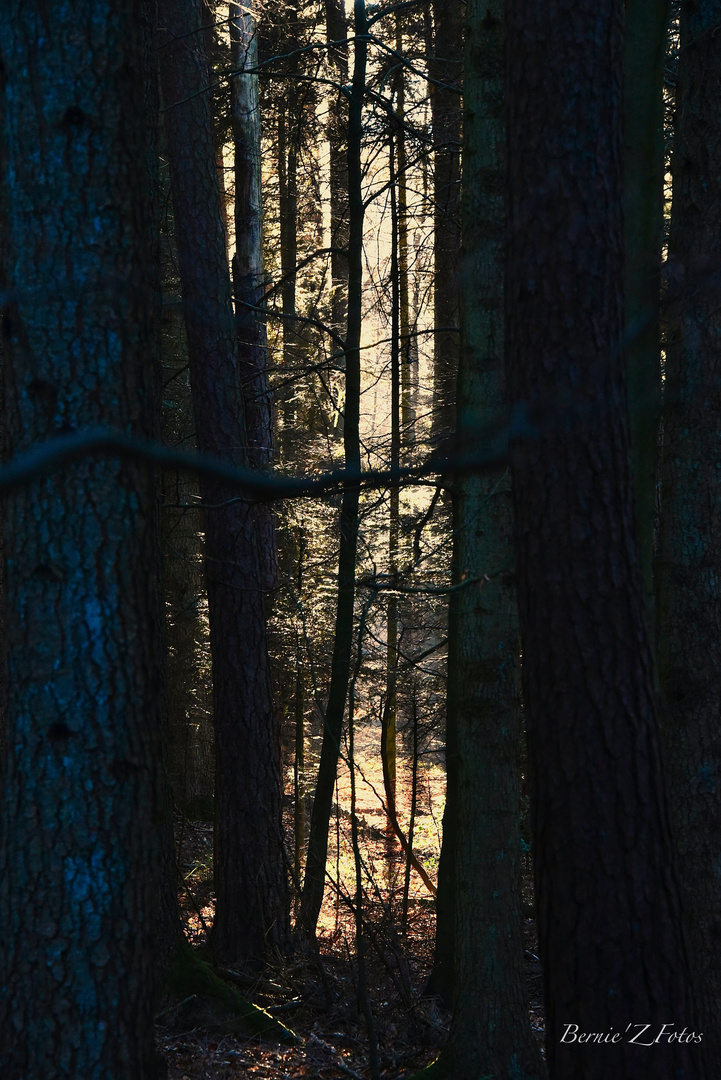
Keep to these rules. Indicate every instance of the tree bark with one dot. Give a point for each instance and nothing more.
(645, 37)
(252, 907)
(80, 841)
(606, 894)
(249, 271)
(490, 1032)
(689, 596)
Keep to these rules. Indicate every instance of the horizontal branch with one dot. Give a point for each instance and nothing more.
(46, 457)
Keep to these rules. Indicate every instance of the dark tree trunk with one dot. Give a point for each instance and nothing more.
(444, 69)
(646, 34)
(314, 881)
(490, 1033)
(607, 898)
(252, 911)
(689, 594)
(79, 839)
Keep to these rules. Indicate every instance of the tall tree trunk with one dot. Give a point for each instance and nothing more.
(80, 844)
(490, 1033)
(314, 881)
(288, 208)
(606, 894)
(444, 69)
(689, 595)
(390, 711)
(646, 32)
(252, 908)
(337, 32)
(407, 356)
(249, 271)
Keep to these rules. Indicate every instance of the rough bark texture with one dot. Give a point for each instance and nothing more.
(689, 592)
(607, 898)
(645, 36)
(444, 68)
(314, 881)
(252, 912)
(79, 837)
(490, 1033)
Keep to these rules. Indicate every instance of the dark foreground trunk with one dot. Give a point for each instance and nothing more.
(607, 898)
(490, 1033)
(689, 592)
(79, 839)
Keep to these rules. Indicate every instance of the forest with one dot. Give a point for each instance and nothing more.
(360, 590)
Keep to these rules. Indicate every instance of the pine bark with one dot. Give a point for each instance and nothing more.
(689, 595)
(607, 897)
(252, 907)
(490, 1032)
(80, 843)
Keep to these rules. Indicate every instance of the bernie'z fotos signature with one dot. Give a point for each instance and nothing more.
(640, 1034)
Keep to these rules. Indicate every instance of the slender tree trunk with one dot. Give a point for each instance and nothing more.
(299, 716)
(252, 912)
(444, 68)
(646, 33)
(407, 358)
(288, 208)
(390, 711)
(314, 882)
(490, 1033)
(289, 135)
(80, 844)
(248, 269)
(689, 595)
(414, 808)
(606, 895)
(337, 32)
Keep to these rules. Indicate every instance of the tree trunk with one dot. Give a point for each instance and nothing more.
(689, 596)
(79, 838)
(249, 272)
(337, 31)
(490, 1033)
(314, 881)
(407, 355)
(444, 69)
(606, 894)
(646, 33)
(389, 721)
(252, 907)
(288, 209)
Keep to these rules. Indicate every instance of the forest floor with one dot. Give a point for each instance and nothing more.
(318, 997)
